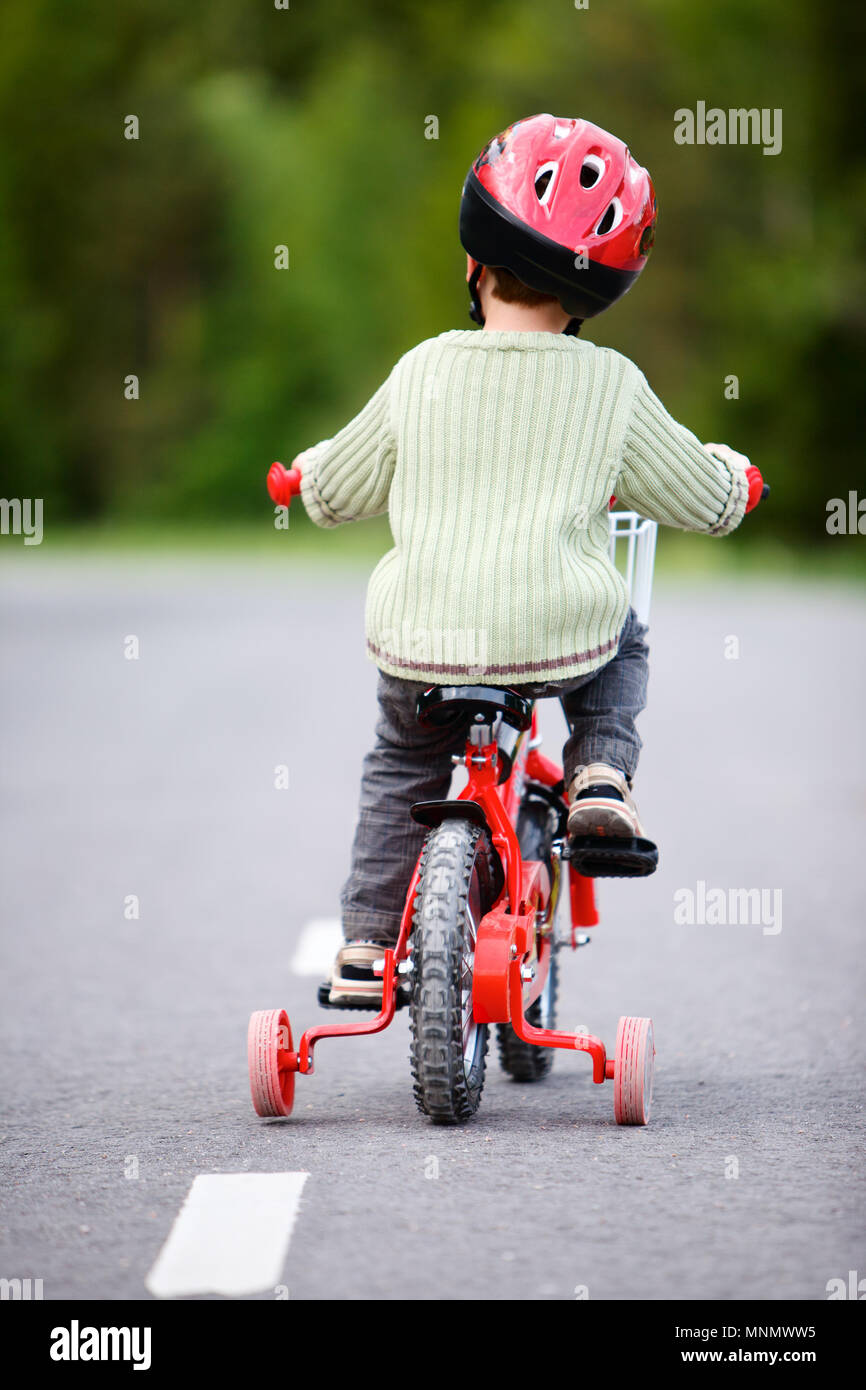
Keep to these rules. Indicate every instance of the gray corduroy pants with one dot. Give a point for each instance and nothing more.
(410, 763)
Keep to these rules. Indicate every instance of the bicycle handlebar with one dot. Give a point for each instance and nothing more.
(758, 489)
(283, 484)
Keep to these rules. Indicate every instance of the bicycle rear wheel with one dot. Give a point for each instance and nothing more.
(459, 880)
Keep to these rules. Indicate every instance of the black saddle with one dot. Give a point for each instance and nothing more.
(449, 704)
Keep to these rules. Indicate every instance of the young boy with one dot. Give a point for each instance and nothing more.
(496, 454)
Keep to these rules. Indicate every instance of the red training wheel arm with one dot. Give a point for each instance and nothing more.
(283, 483)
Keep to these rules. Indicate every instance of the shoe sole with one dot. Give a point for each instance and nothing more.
(344, 999)
(603, 818)
(342, 990)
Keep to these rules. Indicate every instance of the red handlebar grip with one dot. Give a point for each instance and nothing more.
(283, 483)
(757, 488)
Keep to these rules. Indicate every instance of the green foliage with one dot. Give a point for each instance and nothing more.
(306, 127)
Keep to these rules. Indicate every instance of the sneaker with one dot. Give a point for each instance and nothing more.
(352, 982)
(601, 804)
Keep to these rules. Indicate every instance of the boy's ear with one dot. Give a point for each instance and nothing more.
(471, 267)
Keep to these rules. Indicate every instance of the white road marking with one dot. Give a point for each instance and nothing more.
(230, 1236)
(317, 945)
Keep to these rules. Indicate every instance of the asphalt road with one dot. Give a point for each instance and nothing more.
(123, 1037)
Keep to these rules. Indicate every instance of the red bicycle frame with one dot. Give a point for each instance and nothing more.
(512, 954)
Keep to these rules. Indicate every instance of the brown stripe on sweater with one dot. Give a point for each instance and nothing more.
(515, 668)
(326, 506)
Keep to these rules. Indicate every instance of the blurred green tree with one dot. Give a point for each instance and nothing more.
(307, 127)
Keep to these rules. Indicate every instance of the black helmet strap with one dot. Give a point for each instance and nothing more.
(474, 298)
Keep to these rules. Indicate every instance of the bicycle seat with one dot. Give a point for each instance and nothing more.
(443, 704)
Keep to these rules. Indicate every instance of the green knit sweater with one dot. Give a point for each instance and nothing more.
(495, 456)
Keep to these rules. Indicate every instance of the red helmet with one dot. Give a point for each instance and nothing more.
(564, 207)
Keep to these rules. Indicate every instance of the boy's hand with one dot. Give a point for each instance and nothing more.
(726, 455)
(307, 457)
(758, 489)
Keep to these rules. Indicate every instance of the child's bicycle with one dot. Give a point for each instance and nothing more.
(479, 938)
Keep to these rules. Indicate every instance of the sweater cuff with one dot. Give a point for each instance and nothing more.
(735, 507)
(316, 507)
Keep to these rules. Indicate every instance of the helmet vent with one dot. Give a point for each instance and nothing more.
(544, 181)
(591, 171)
(610, 219)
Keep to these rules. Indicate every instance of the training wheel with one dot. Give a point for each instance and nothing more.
(633, 1071)
(272, 1080)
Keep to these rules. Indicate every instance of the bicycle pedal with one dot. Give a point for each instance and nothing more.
(598, 856)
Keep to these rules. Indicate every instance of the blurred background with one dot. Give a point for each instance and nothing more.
(185, 695)
(308, 127)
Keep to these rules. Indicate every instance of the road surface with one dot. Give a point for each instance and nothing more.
(157, 884)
